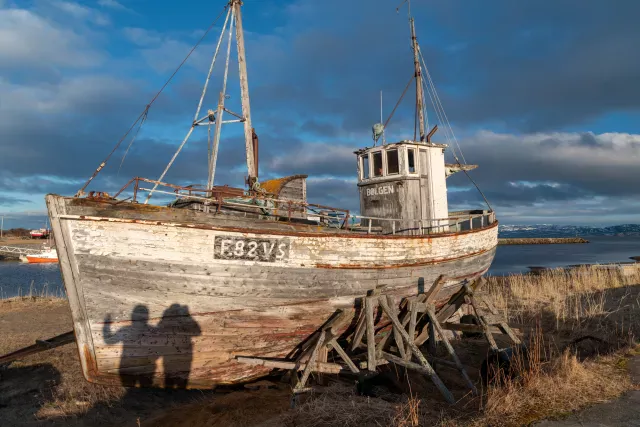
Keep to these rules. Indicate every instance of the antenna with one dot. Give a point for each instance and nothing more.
(384, 141)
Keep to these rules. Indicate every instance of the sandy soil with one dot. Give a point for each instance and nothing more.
(48, 389)
(13, 241)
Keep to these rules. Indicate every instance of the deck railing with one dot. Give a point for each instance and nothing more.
(218, 197)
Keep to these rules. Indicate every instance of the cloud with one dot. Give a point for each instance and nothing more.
(9, 200)
(79, 11)
(113, 4)
(141, 36)
(29, 40)
(533, 75)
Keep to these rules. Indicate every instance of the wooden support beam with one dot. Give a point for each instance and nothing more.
(433, 344)
(434, 321)
(370, 302)
(463, 327)
(413, 317)
(423, 369)
(360, 328)
(343, 354)
(311, 363)
(432, 293)
(40, 345)
(487, 332)
(508, 331)
(396, 333)
(423, 361)
(327, 368)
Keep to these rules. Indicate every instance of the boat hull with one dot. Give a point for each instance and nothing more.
(40, 260)
(168, 298)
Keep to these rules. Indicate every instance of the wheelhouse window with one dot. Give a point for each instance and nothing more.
(393, 162)
(364, 166)
(424, 161)
(411, 160)
(377, 163)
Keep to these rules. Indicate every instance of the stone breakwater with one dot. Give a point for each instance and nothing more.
(542, 241)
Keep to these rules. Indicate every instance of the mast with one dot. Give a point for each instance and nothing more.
(244, 90)
(418, 75)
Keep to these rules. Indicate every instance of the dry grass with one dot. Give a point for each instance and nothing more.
(559, 386)
(32, 294)
(553, 309)
(584, 298)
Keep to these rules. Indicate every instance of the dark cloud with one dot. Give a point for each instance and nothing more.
(9, 200)
(315, 85)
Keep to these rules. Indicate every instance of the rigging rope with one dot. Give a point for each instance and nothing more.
(437, 104)
(398, 103)
(435, 93)
(144, 112)
(144, 118)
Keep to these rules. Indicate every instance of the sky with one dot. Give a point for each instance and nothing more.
(543, 95)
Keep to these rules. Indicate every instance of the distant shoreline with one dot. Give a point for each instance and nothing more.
(541, 241)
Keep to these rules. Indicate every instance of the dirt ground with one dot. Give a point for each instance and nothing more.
(623, 412)
(14, 241)
(48, 389)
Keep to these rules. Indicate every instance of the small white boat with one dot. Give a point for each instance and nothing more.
(48, 255)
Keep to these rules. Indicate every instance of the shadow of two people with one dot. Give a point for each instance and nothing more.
(143, 344)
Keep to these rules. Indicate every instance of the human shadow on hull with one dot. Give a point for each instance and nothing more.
(171, 340)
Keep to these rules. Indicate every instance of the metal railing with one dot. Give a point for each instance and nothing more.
(451, 224)
(267, 205)
(18, 250)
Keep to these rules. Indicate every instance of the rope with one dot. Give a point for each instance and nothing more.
(439, 102)
(398, 103)
(438, 106)
(144, 112)
(144, 118)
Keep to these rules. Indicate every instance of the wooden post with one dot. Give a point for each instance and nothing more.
(413, 313)
(360, 328)
(244, 91)
(343, 354)
(426, 367)
(312, 360)
(433, 320)
(487, 332)
(396, 333)
(432, 293)
(371, 341)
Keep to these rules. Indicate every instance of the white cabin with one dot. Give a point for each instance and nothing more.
(406, 181)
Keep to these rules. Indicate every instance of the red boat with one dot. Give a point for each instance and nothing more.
(41, 233)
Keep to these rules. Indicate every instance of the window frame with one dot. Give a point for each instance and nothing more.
(416, 170)
(373, 166)
(386, 163)
(365, 175)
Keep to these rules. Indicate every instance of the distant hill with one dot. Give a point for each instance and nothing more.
(548, 230)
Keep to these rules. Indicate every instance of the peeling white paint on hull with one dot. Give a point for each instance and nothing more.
(169, 297)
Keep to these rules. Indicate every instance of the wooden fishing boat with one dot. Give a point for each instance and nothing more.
(170, 295)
